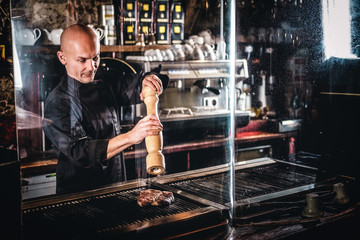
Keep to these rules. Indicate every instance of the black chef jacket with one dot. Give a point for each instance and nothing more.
(80, 119)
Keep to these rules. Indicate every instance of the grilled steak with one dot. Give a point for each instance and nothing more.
(155, 198)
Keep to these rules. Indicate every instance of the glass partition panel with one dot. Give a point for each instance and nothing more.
(183, 116)
(120, 101)
(291, 48)
(303, 82)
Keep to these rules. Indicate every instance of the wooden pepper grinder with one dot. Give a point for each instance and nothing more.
(155, 161)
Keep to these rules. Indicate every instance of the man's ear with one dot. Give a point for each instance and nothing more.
(61, 57)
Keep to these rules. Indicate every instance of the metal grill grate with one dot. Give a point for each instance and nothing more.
(250, 182)
(98, 214)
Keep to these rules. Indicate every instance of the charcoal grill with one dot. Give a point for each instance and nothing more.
(258, 181)
(114, 213)
(201, 202)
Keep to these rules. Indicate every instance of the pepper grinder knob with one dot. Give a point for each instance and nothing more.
(155, 161)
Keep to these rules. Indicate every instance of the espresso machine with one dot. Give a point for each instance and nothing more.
(195, 105)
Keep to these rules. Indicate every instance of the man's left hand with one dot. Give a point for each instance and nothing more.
(154, 83)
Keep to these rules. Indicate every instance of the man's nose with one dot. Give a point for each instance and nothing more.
(91, 64)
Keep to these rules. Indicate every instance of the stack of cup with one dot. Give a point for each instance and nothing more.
(107, 22)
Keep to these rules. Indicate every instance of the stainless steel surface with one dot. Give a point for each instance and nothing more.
(187, 94)
(285, 125)
(175, 112)
(199, 126)
(202, 69)
(182, 113)
(198, 83)
(243, 154)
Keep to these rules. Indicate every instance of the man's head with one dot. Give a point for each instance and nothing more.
(80, 52)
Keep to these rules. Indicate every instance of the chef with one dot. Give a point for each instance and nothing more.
(82, 115)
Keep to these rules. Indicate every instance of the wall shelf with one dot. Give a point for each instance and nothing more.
(49, 49)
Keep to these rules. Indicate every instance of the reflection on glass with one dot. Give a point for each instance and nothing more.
(67, 119)
(247, 107)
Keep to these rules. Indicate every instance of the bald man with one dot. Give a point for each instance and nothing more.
(84, 114)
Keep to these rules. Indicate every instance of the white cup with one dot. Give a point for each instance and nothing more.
(158, 55)
(206, 34)
(170, 55)
(198, 54)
